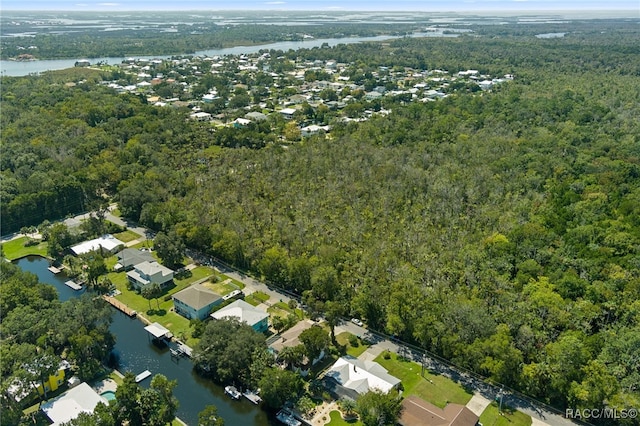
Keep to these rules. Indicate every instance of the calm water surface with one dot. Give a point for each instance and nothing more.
(137, 353)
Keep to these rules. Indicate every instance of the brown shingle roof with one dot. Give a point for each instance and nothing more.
(418, 412)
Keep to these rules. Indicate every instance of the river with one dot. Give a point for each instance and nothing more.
(16, 68)
(137, 353)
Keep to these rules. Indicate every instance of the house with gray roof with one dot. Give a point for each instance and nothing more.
(244, 312)
(128, 258)
(195, 301)
(146, 273)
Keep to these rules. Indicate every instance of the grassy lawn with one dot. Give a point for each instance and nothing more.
(16, 249)
(436, 389)
(256, 298)
(281, 309)
(509, 417)
(354, 351)
(127, 236)
(160, 310)
(337, 420)
(223, 286)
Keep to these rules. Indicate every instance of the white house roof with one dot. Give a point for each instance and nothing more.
(70, 404)
(361, 376)
(288, 111)
(242, 311)
(152, 268)
(107, 242)
(157, 330)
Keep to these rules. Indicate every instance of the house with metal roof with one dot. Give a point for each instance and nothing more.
(350, 377)
(244, 312)
(146, 273)
(195, 301)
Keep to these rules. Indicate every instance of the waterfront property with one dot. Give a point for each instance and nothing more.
(244, 312)
(291, 338)
(158, 331)
(70, 404)
(350, 377)
(53, 382)
(195, 301)
(146, 273)
(128, 258)
(107, 243)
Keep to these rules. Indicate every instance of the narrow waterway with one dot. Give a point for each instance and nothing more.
(137, 353)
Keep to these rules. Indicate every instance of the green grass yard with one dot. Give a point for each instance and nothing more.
(127, 236)
(15, 249)
(436, 389)
(337, 420)
(354, 351)
(509, 417)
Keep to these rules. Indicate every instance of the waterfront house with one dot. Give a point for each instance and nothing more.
(244, 312)
(146, 273)
(128, 258)
(107, 243)
(350, 377)
(69, 405)
(195, 301)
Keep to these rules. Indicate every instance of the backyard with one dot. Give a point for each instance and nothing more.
(16, 248)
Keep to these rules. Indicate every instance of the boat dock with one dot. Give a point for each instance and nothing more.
(73, 285)
(140, 377)
(54, 270)
(251, 396)
(120, 306)
(186, 350)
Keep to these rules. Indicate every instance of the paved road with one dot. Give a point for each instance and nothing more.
(382, 342)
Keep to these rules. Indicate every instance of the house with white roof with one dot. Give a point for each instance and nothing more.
(107, 243)
(350, 377)
(146, 273)
(69, 405)
(244, 312)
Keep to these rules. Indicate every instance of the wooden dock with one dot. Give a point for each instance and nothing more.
(120, 306)
(73, 285)
(54, 270)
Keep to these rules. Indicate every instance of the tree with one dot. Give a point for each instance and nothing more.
(59, 239)
(333, 314)
(170, 248)
(292, 355)
(292, 131)
(127, 407)
(209, 417)
(226, 351)
(167, 404)
(377, 408)
(151, 291)
(315, 340)
(279, 386)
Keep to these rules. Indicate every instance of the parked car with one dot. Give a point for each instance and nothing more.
(356, 321)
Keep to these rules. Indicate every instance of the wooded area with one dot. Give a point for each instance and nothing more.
(499, 229)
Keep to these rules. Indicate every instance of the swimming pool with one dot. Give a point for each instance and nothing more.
(109, 395)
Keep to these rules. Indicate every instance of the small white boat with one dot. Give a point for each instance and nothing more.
(140, 377)
(232, 392)
(287, 418)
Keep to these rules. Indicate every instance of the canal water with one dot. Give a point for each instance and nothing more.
(137, 353)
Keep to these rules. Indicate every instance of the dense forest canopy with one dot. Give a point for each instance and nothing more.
(498, 229)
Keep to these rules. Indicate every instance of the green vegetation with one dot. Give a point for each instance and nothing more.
(337, 420)
(20, 247)
(126, 236)
(256, 298)
(496, 228)
(436, 389)
(509, 417)
(346, 339)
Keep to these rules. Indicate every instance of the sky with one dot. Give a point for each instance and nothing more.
(373, 5)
